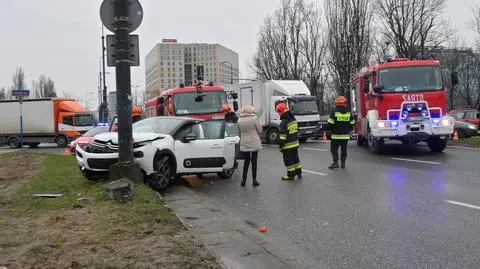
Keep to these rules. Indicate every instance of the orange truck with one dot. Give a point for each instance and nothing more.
(48, 120)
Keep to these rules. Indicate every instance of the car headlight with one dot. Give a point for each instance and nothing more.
(447, 122)
(141, 144)
(471, 126)
(381, 124)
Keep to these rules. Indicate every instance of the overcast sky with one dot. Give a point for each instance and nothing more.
(61, 38)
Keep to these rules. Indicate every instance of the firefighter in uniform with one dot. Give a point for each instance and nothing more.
(341, 122)
(230, 116)
(289, 143)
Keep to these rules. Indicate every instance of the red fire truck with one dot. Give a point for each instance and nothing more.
(402, 100)
(200, 101)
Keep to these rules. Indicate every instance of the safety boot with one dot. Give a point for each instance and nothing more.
(333, 166)
(342, 164)
(287, 178)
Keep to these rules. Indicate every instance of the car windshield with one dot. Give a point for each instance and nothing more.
(159, 125)
(410, 79)
(303, 107)
(212, 102)
(84, 120)
(95, 131)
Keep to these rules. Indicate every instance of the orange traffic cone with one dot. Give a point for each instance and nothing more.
(66, 152)
(455, 135)
(324, 136)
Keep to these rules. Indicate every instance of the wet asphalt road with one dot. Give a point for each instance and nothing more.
(407, 208)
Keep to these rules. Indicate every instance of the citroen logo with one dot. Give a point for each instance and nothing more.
(188, 163)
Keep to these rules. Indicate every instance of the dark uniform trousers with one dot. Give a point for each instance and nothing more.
(289, 145)
(334, 145)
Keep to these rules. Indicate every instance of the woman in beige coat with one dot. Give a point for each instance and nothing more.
(250, 143)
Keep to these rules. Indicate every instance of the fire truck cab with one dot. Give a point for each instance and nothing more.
(402, 100)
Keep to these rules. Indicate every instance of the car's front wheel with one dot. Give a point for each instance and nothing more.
(227, 173)
(163, 174)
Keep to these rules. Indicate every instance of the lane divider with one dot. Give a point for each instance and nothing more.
(463, 204)
(413, 160)
(313, 172)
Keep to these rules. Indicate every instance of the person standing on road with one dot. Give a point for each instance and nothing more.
(341, 123)
(289, 143)
(230, 116)
(250, 143)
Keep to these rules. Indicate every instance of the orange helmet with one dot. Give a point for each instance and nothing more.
(281, 108)
(341, 101)
(226, 108)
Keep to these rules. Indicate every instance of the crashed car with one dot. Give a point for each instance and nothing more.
(167, 147)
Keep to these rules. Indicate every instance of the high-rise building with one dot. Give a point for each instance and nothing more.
(170, 64)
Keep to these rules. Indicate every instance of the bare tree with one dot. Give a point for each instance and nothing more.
(476, 19)
(414, 27)
(19, 79)
(67, 95)
(349, 39)
(44, 87)
(3, 94)
(279, 52)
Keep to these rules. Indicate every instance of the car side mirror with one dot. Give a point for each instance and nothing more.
(190, 137)
(378, 88)
(234, 95)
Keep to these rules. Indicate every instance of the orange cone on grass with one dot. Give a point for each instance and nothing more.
(455, 135)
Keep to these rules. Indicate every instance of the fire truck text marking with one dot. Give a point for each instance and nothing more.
(413, 97)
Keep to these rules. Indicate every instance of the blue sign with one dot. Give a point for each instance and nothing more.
(20, 92)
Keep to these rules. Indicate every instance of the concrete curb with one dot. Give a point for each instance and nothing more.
(235, 244)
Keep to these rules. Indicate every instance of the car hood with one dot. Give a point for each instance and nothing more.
(137, 137)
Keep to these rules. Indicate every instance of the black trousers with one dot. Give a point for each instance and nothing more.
(292, 162)
(339, 143)
(250, 156)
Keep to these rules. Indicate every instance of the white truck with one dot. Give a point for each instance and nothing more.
(48, 120)
(265, 95)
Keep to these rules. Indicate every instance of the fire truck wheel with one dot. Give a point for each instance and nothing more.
(374, 144)
(13, 143)
(361, 141)
(436, 144)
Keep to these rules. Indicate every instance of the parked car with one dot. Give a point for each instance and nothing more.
(465, 129)
(466, 115)
(167, 147)
(85, 139)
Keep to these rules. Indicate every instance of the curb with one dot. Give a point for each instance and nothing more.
(234, 243)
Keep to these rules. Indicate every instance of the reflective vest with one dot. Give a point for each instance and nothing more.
(289, 133)
(341, 123)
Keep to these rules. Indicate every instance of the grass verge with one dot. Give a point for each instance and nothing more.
(83, 229)
(467, 142)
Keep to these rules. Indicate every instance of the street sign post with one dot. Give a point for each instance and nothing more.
(20, 94)
(123, 17)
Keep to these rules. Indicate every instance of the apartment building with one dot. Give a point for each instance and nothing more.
(170, 64)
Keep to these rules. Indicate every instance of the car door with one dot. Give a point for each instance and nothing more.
(472, 117)
(232, 144)
(205, 154)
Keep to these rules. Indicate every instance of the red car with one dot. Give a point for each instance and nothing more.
(466, 115)
(85, 139)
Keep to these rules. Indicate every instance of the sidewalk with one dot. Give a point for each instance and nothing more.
(235, 244)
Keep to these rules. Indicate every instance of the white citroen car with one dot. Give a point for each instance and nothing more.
(166, 147)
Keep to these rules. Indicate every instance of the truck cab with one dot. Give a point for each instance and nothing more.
(401, 100)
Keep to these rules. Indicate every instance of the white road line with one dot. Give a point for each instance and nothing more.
(316, 149)
(463, 204)
(313, 172)
(461, 147)
(413, 160)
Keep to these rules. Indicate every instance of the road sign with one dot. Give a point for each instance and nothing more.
(20, 92)
(134, 50)
(135, 14)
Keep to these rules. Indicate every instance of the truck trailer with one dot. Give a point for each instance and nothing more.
(265, 95)
(48, 120)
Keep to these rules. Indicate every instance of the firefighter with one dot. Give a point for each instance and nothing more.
(289, 143)
(230, 116)
(341, 122)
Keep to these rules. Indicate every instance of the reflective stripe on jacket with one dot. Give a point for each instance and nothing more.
(288, 132)
(341, 122)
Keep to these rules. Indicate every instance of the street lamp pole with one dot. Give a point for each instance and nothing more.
(104, 93)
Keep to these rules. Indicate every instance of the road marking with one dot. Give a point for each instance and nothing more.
(413, 160)
(461, 147)
(313, 172)
(463, 204)
(315, 149)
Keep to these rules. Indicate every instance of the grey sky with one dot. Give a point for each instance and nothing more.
(61, 38)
